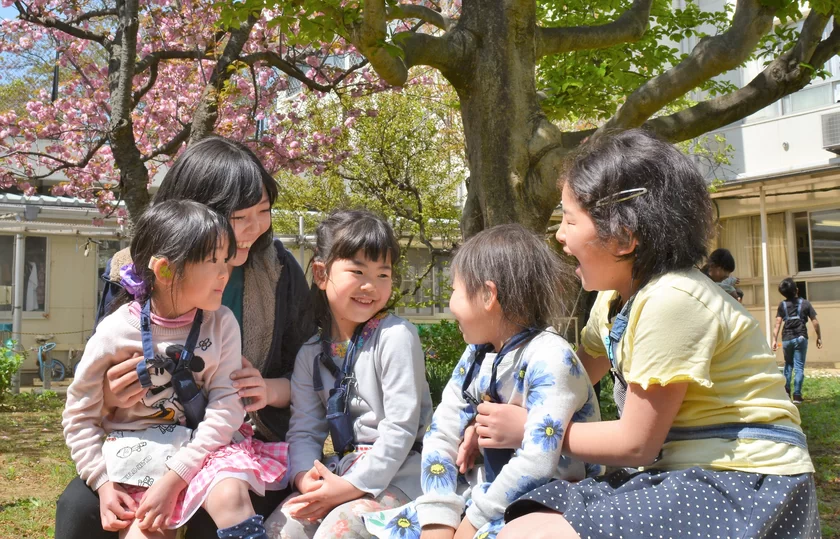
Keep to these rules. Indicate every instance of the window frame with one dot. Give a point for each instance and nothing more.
(32, 315)
(813, 272)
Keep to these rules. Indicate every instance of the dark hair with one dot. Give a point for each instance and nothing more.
(340, 236)
(672, 221)
(788, 288)
(723, 259)
(530, 278)
(182, 231)
(222, 174)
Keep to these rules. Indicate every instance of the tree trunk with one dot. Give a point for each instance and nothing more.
(514, 153)
(207, 111)
(134, 176)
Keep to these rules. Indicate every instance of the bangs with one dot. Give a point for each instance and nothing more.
(209, 235)
(242, 189)
(370, 236)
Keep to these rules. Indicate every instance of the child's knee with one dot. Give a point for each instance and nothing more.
(231, 492)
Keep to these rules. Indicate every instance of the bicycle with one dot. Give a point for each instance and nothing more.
(57, 369)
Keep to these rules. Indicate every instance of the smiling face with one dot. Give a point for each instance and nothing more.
(599, 266)
(249, 224)
(203, 282)
(356, 289)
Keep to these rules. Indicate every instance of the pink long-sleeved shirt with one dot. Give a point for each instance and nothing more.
(86, 420)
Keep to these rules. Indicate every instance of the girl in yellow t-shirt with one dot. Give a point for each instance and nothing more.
(714, 445)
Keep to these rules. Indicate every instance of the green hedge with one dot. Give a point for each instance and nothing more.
(443, 345)
(10, 360)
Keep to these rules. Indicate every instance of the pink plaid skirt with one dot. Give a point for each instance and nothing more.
(262, 465)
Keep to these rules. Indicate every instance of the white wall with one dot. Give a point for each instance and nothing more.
(760, 147)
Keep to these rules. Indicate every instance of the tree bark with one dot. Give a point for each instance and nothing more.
(134, 176)
(207, 113)
(514, 152)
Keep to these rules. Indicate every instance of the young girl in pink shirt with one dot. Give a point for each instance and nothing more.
(184, 444)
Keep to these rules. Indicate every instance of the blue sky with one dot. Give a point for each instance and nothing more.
(7, 12)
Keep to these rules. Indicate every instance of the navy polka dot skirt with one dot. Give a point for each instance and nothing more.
(694, 503)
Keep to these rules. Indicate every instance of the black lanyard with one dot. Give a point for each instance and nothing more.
(482, 351)
(148, 346)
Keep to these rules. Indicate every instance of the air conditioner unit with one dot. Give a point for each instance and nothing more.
(831, 132)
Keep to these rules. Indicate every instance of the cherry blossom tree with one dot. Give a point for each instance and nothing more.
(533, 79)
(599, 65)
(140, 81)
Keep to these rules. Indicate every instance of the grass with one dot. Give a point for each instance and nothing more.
(819, 420)
(35, 464)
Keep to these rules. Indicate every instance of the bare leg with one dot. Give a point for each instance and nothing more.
(134, 532)
(540, 525)
(229, 503)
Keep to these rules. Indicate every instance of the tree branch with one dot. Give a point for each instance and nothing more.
(629, 27)
(423, 13)
(172, 146)
(158, 56)
(418, 49)
(64, 163)
(138, 95)
(92, 15)
(64, 26)
(276, 61)
(207, 112)
(710, 57)
(424, 49)
(784, 76)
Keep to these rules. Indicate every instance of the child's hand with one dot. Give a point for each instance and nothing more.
(466, 530)
(467, 451)
(159, 501)
(437, 531)
(308, 481)
(500, 426)
(116, 507)
(333, 492)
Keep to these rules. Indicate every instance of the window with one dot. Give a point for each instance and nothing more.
(812, 97)
(34, 273)
(817, 239)
(432, 292)
(824, 291)
(742, 236)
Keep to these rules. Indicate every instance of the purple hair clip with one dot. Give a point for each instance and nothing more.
(132, 282)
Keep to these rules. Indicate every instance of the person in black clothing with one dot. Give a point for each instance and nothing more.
(794, 312)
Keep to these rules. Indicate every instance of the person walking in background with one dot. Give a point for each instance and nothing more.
(794, 312)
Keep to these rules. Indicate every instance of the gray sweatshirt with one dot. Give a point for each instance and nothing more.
(545, 377)
(390, 405)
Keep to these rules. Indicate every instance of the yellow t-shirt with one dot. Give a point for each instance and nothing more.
(682, 327)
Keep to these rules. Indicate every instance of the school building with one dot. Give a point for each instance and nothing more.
(55, 247)
(779, 208)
